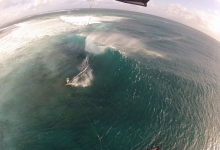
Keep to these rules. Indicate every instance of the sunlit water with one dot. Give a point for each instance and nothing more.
(136, 81)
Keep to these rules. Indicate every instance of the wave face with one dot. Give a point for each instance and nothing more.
(136, 81)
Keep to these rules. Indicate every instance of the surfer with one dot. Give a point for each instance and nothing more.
(67, 81)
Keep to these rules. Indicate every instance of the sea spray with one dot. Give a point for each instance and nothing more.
(84, 77)
(168, 87)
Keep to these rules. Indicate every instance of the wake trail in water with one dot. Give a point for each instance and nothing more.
(85, 76)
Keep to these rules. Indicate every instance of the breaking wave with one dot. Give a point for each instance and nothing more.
(128, 102)
(86, 20)
(127, 44)
(80, 21)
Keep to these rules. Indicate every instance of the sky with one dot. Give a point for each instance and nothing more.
(202, 15)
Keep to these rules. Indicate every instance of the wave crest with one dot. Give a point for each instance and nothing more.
(86, 20)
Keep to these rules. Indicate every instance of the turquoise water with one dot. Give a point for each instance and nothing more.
(136, 81)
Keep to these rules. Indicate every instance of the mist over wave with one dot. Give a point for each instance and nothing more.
(134, 82)
(124, 43)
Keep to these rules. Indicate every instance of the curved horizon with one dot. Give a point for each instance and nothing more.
(203, 16)
(26, 18)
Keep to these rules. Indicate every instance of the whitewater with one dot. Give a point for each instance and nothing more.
(135, 81)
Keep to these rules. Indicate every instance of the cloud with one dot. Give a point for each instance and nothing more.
(208, 23)
(34, 4)
(4, 4)
(13, 9)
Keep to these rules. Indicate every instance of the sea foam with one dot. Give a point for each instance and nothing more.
(86, 20)
(85, 77)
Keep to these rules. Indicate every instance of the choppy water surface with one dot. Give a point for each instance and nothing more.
(135, 81)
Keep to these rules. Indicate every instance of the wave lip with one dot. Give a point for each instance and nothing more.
(122, 42)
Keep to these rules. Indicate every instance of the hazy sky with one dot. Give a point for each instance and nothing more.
(204, 15)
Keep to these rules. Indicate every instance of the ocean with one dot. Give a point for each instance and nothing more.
(136, 81)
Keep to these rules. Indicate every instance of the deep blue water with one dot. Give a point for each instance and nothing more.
(136, 81)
